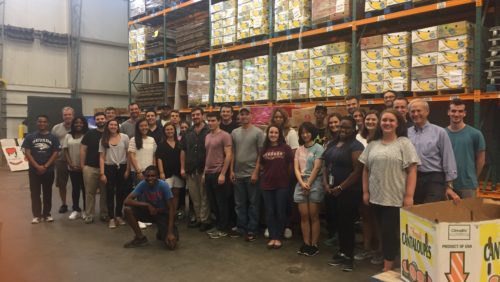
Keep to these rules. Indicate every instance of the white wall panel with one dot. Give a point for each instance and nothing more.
(105, 20)
(49, 15)
(94, 101)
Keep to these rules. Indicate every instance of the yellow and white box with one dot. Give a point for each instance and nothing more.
(339, 59)
(390, 74)
(396, 38)
(375, 5)
(454, 69)
(423, 85)
(396, 50)
(396, 2)
(444, 242)
(455, 43)
(456, 56)
(424, 34)
(397, 84)
(333, 92)
(372, 76)
(317, 92)
(284, 94)
(372, 87)
(426, 59)
(372, 65)
(396, 62)
(455, 29)
(372, 54)
(453, 81)
(339, 47)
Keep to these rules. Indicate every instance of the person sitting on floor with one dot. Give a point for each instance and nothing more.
(156, 206)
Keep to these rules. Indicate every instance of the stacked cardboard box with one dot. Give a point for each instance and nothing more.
(293, 75)
(375, 5)
(153, 5)
(223, 21)
(330, 10)
(137, 45)
(150, 94)
(290, 14)
(228, 82)
(190, 33)
(255, 82)
(198, 85)
(372, 64)
(252, 18)
(137, 8)
(330, 70)
(396, 54)
(456, 52)
(424, 59)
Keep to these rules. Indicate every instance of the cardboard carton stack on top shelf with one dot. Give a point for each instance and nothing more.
(198, 86)
(372, 64)
(137, 8)
(228, 82)
(293, 75)
(255, 82)
(153, 5)
(330, 10)
(375, 5)
(330, 70)
(252, 18)
(190, 33)
(291, 14)
(396, 54)
(137, 45)
(223, 21)
(456, 53)
(424, 59)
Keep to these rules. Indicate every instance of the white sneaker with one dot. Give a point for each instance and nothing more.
(266, 233)
(377, 259)
(74, 215)
(364, 255)
(35, 220)
(120, 221)
(112, 223)
(288, 233)
(142, 225)
(148, 223)
(83, 215)
(49, 219)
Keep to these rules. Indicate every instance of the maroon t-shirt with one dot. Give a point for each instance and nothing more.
(275, 162)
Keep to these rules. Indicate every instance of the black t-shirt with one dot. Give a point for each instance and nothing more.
(320, 135)
(229, 127)
(156, 134)
(91, 140)
(171, 158)
(339, 160)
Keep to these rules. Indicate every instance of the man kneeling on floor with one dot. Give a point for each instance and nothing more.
(155, 206)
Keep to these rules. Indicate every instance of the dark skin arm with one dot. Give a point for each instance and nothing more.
(40, 169)
(353, 177)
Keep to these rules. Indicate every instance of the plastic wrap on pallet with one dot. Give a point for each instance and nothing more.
(198, 86)
(253, 18)
(291, 14)
(293, 75)
(137, 8)
(154, 5)
(228, 82)
(223, 20)
(255, 81)
(137, 45)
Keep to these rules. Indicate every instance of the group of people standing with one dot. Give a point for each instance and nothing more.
(361, 164)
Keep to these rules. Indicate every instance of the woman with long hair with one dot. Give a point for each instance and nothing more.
(359, 116)
(71, 147)
(309, 192)
(370, 124)
(344, 183)
(389, 178)
(114, 169)
(141, 150)
(333, 127)
(168, 157)
(275, 163)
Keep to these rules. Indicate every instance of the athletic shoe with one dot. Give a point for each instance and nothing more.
(136, 242)
(217, 235)
(330, 242)
(83, 215)
(303, 249)
(120, 221)
(337, 259)
(348, 265)
(288, 233)
(312, 251)
(211, 231)
(205, 227)
(142, 225)
(112, 223)
(35, 220)
(88, 220)
(266, 233)
(234, 233)
(377, 259)
(49, 219)
(148, 223)
(250, 237)
(63, 209)
(364, 255)
(74, 215)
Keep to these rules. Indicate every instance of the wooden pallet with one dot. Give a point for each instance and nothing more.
(389, 9)
(442, 92)
(291, 31)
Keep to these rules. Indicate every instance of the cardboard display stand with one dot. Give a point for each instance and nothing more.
(14, 154)
(447, 242)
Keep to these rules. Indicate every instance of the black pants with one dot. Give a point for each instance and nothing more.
(430, 187)
(78, 188)
(160, 219)
(388, 221)
(115, 187)
(218, 197)
(331, 214)
(39, 183)
(347, 210)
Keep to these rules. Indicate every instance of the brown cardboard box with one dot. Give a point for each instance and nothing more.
(371, 42)
(424, 72)
(422, 47)
(455, 29)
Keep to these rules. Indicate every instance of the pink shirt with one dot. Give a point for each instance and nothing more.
(214, 145)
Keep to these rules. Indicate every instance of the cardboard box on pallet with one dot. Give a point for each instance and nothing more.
(375, 5)
(455, 43)
(396, 38)
(290, 14)
(455, 56)
(424, 34)
(331, 10)
(137, 8)
(228, 82)
(374, 54)
(447, 242)
(454, 69)
(371, 42)
(198, 85)
(397, 84)
(396, 51)
(255, 79)
(457, 81)
(455, 29)
(396, 62)
(423, 85)
(372, 87)
(424, 72)
(252, 18)
(372, 76)
(424, 59)
(223, 21)
(423, 47)
(372, 65)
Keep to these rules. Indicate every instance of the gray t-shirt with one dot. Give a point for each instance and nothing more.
(128, 127)
(60, 132)
(246, 147)
(73, 146)
(387, 165)
(116, 154)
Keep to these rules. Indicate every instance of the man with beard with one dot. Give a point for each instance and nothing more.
(351, 104)
(128, 126)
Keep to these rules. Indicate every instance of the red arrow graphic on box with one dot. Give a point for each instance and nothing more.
(457, 265)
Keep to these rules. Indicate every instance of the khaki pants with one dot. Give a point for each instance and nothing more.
(199, 197)
(91, 182)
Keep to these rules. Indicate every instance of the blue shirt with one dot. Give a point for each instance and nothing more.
(156, 195)
(434, 150)
(41, 146)
(466, 144)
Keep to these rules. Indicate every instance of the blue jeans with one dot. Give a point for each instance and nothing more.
(275, 202)
(247, 204)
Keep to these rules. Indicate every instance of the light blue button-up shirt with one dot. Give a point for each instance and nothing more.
(434, 149)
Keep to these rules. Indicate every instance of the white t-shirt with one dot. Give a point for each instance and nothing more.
(144, 156)
(73, 146)
(292, 139)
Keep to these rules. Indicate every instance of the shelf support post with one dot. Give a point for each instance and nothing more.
(478, 68)
(355, 63)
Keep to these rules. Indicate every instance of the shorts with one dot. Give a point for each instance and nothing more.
(160, 219)
(316, 194)
(62, 173)
(175, 182)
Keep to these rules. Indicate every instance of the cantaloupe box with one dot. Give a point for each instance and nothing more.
(443, 241)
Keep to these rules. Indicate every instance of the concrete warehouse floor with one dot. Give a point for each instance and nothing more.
(72, 251)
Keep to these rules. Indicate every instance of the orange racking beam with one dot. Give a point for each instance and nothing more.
(163, 12)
